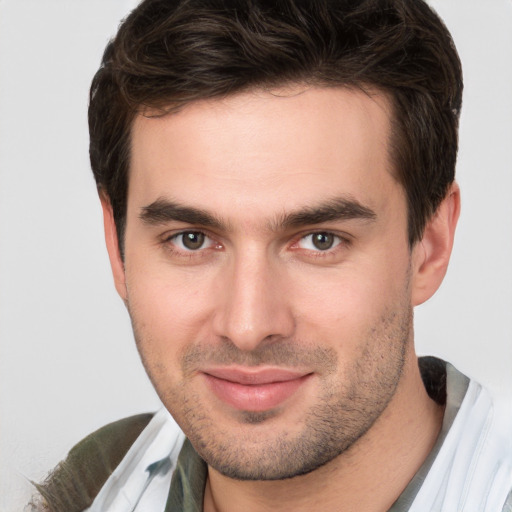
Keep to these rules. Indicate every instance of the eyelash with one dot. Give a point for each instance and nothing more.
(341, 242)
(170, 244)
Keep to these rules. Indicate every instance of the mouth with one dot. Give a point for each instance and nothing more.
(257, 390)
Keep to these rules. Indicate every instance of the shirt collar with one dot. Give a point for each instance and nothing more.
(188, 482)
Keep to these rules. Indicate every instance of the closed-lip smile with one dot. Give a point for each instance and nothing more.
(254, 389)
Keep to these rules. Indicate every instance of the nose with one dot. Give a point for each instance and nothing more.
(254, 306)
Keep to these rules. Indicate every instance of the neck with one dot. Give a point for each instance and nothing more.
(384, 461)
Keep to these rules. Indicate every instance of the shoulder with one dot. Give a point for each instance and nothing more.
(474, 448)
(74, 483)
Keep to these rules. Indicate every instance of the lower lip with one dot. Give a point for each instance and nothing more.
(257, 398)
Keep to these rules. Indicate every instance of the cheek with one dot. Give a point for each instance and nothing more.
(169, 310)
(344, 303)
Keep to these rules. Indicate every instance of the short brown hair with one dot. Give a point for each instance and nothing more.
(168, 53)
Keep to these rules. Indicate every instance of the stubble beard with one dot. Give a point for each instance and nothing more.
(351, 399)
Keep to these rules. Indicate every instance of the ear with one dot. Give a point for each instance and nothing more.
(432, 254)
(111, 239)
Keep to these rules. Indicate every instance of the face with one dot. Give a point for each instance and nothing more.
(267, 274)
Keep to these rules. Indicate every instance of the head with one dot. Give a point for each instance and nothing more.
(274, 179)
(169, 54)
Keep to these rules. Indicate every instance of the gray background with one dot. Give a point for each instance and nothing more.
(67, 358)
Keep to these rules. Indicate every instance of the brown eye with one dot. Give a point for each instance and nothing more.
(322, 241)
(190, 240)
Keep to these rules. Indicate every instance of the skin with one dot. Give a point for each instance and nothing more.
(257, 293)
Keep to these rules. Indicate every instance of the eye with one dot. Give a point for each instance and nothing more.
(321, 241)
(191, 241)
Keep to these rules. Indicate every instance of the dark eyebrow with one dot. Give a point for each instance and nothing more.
(342, 208)
(162, 211)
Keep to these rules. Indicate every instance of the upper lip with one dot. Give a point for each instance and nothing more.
(254, 376)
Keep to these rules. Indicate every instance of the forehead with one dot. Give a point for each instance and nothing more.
(265, 148)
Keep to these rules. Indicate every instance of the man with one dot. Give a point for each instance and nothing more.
(277, 181)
